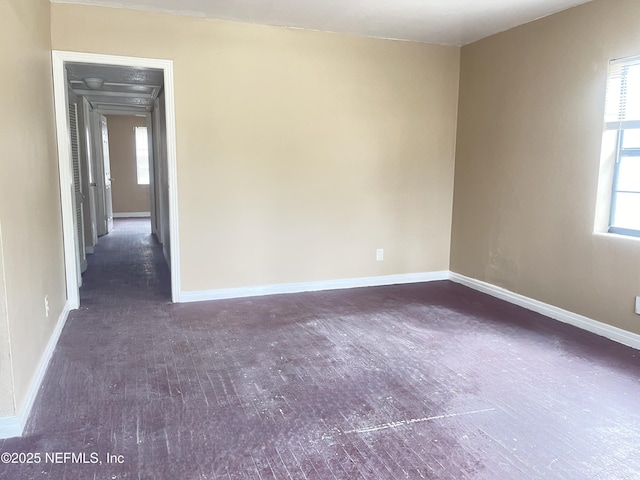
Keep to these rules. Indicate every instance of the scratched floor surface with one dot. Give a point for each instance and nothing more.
(417, 381)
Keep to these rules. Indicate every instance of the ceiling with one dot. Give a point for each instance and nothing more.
(449, 22)
(125, 89)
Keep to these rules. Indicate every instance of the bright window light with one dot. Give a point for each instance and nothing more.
(142, 155)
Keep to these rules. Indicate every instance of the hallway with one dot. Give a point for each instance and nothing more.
(127, 264)
(409, 381)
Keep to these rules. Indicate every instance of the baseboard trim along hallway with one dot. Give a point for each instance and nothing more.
(14, 425)
(260, 290)
(132, 215)
(613, 333)
(10, 427)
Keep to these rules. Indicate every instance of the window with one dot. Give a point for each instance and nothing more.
(142, 155)
(622, 127)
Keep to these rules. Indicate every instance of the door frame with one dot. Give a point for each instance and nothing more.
(153, 155)
(98, 167)
(59, 58)
(88, 163)
(105, 165)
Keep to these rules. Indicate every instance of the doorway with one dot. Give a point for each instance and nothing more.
(167, 206)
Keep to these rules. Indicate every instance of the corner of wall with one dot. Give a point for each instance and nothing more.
(7, 389)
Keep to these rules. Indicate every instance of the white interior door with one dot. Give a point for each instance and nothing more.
(87, 170)
(98, 168)
(77, 186)
(108, 199)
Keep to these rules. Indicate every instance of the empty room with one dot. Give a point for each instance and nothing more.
(320, 240)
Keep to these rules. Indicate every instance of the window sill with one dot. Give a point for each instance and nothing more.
(616, 236)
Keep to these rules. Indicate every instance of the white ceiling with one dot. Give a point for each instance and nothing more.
(449, 22)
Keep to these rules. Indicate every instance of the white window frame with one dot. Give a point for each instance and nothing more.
(618, 127)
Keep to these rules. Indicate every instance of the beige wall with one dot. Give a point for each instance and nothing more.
(128, 196)
(29, 194)
(299, 152)
(528, 148)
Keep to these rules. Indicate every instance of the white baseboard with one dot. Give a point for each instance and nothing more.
(10, 427)
(131, 214)
(14, 425)
(89, 250)
(259, 290)
(613, 333)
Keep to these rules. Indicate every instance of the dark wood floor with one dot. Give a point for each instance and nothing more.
(417, 381)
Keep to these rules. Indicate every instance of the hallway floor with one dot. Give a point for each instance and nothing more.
(428, 380)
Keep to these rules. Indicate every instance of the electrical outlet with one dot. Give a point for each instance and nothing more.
(46, 305)
(379, 254)
(638, 305)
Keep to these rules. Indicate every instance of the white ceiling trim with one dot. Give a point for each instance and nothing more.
(133, 6)
(447, 22)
